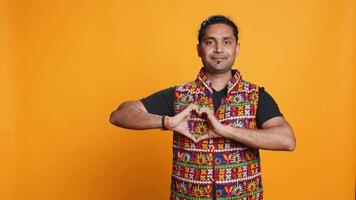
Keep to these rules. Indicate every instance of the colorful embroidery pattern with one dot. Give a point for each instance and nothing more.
(216, 167)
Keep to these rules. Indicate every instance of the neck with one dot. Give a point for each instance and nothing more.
(219, 80)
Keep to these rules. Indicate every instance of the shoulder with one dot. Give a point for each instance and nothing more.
(169, 90)
(262, 93)
(164, 94)
(191, 87)
(160, 102)
(246, 86)
(267, 107)
(186, 86)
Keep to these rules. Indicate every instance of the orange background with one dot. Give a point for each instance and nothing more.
(65, 65)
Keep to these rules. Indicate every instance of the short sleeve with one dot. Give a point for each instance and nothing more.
(161, 102)
(267, 108)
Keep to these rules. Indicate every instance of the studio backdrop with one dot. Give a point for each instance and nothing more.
(65, 65)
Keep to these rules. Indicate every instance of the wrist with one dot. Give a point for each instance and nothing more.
(225, 131)
(166, 123)
(163, 126)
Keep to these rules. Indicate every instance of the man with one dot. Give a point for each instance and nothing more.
(219, 121)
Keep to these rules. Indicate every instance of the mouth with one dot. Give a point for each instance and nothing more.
(218, 58)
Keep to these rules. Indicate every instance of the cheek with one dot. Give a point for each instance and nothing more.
(232, 52)
(207, 53)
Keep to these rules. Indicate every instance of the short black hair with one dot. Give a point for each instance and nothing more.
(217, 19)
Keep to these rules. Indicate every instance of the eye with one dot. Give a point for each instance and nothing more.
(209, 42)
(228, 42)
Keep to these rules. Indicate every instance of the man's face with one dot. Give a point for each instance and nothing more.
(218, 48)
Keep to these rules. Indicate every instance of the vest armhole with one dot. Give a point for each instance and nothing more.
(256, 107)
(174, 101)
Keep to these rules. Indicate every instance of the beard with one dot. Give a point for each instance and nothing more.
(217, 66)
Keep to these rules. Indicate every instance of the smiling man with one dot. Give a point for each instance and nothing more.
(219, 122)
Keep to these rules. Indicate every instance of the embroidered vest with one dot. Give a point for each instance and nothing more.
(217, 168)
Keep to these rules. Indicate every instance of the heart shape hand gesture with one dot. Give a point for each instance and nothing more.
(179, 123)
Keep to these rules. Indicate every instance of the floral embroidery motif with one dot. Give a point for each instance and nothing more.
(199, 191)
(201, 159)
(201, 129)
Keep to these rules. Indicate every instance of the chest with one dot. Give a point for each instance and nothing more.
(235, 108)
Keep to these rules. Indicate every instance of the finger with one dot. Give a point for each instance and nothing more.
(203, 137)
(210, 115)
(208, 110)
(195, 108)
(190, 136)
(201, 110)
(187, 110)
(205, 109)
(213, 134)
(185, 133)
(192, 107)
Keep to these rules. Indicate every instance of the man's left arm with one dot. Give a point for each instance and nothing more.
(275, 134)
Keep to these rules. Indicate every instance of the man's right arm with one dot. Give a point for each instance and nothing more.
(133, 115)
(145, 113)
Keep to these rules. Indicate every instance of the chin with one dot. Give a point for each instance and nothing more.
(219, 68)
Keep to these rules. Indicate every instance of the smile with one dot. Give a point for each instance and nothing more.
(218, 58)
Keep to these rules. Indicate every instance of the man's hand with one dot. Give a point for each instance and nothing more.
(179, 122)
(215, 127)
(275, 134)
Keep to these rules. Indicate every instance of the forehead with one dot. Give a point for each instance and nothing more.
(218, 31)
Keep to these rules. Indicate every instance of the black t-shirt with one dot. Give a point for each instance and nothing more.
(162, 102)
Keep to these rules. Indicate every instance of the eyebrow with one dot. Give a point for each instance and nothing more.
(225, 38)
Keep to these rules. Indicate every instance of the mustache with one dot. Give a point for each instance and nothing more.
(218, 56)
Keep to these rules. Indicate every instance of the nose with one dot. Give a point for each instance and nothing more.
(218, 48)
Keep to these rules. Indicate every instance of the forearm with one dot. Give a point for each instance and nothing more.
(273, 138)
(131, 117)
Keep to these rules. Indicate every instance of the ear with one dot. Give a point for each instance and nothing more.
(198, 50)
(237, 48)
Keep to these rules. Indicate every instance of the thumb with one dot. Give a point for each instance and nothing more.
(203, 137)
(211, 117)
(184, 114)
